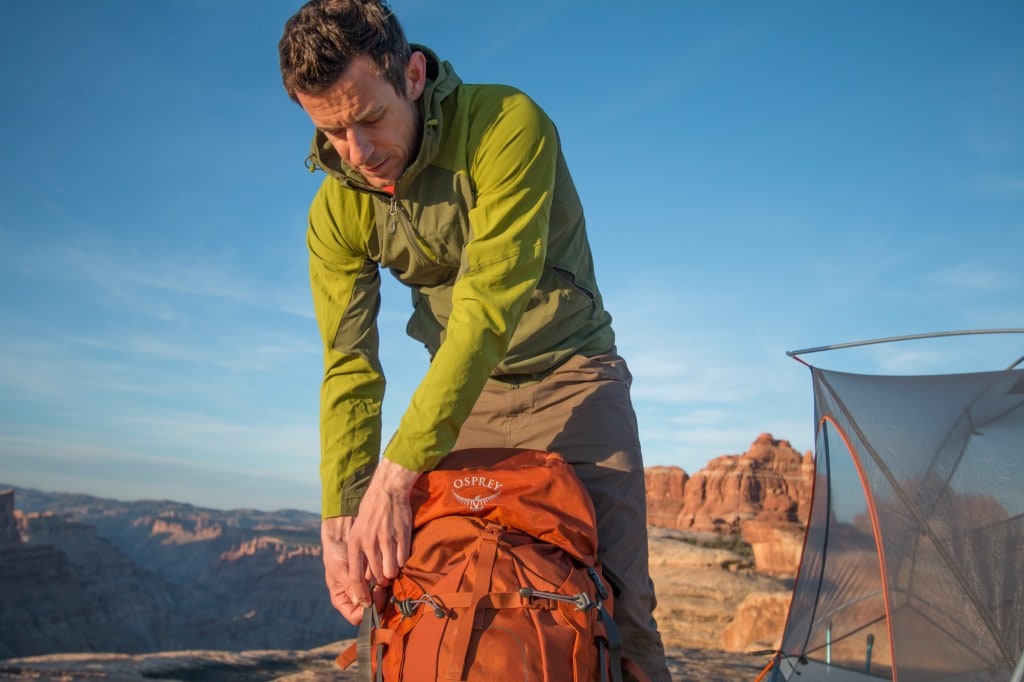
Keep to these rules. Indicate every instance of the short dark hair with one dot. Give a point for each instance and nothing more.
(322, 38)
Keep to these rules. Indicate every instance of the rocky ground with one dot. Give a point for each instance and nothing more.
(699, 589)
(294, 666)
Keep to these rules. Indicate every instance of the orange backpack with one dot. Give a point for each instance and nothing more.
(502, 582)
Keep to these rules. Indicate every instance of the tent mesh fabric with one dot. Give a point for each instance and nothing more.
(913, 565)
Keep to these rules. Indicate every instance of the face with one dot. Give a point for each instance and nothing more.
(373, 128)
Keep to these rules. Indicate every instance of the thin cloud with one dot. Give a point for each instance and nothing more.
(272, 444)
(26, 376)
(975, 277)
(139, 278)
(651, 90)
(259, 356)
(285, 436)
(999, 186)
(71, 460)
(145, 364)
(517, 31)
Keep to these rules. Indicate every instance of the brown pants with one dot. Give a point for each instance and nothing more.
(583, 412)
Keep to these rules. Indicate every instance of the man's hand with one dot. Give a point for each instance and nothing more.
(333, 532)
(378, 541)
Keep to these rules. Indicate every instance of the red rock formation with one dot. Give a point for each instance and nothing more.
(768, 487)
(665, 486)
(281, 550)
(770, 482)
(180, 531)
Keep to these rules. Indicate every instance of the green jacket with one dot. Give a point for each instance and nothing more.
(487, 229)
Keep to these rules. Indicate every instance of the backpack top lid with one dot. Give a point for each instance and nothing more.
(531, 491)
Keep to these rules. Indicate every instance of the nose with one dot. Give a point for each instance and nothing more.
(360, 148)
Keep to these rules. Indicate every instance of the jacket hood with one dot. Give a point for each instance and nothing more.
(441, 82)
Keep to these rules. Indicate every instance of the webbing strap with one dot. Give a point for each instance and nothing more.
(614, 645)
(365, 647)
(346, 657)
(481, 581)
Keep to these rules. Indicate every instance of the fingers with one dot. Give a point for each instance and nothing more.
(352, 612)
(345, 597)
(374, 560)
(403, 542)
(357, 590)
(377, 552)
(379, 540)
(380, 597)
(397, 553)
(348, 572)
(385, 516)
(386, 566)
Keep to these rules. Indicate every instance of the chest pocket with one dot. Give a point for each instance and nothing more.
(440, 210)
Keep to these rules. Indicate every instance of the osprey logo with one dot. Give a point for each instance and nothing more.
(464, 488)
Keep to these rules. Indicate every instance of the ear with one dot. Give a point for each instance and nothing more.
(416, 74)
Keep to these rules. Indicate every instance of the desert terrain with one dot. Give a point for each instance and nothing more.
(99, 589)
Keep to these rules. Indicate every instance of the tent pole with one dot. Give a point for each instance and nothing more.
(910, 337)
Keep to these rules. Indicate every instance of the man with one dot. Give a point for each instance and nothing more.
(462, 192)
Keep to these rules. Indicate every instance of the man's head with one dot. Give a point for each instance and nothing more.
(323, 37)
(348, 65)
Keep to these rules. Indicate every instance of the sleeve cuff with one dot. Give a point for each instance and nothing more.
(345, 502)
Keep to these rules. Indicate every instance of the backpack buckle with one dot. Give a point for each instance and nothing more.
(581, 600)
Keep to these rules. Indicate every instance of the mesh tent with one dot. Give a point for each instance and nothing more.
(913, 565)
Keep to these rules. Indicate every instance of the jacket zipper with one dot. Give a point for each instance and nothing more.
(423, 250)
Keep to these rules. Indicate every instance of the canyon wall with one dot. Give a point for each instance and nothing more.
(156, 576)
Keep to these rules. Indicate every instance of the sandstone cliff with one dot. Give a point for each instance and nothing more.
(762, 495)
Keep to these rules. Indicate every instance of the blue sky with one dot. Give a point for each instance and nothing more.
(758, 177)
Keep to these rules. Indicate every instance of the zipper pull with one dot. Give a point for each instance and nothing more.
(393, 213)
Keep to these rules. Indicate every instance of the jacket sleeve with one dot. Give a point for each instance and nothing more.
(513, 150)
(346, 298)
